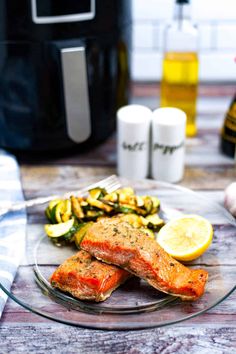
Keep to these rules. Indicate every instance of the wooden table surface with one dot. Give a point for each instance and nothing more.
(207, 171)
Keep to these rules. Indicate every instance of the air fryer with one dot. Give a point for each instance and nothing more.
(64, 71)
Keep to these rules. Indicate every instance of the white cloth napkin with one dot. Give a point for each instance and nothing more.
(12, 225)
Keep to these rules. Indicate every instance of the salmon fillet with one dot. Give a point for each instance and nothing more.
(87, 278)
(116, 242)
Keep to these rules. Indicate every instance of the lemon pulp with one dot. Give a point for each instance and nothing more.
(186, 238)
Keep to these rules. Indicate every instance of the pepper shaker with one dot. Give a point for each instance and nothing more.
(133, 141)
(168, 140)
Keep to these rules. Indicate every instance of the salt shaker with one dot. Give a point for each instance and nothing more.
(133, 127)
(168, 140)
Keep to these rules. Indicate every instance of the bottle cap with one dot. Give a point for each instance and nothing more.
(182, 1)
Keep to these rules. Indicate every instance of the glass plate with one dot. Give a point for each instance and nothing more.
(134, 305)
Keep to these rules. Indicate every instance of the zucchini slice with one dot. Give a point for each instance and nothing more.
(76, 207)
(67, 210)
(48, 214)
(156, 205)
(154, 222)
(63, 211)
(132, 219)
(53, 202)
(111, 197)
(97, 193)
(94, 214)
(53, 214)
(125, 209)
(148, 232)
(139, 201)
(80, 233)
(99, 204)
(57, 230)
(148, 204)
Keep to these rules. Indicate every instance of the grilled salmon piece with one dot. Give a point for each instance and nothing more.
(86, 278)
(116, 242)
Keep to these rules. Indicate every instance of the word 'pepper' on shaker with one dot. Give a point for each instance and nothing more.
(168, 144)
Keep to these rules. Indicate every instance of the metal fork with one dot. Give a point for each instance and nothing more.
(110, 183)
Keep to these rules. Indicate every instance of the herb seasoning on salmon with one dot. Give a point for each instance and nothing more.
(86, 278)
(131, 249)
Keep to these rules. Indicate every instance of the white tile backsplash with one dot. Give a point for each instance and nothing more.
(226, 36)
(152, 9)
(216, 21)
(213, 10)
(143, 35)
(146, 66)
(215, 66)
(206, 40)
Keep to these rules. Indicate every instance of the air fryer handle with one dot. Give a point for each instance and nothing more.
(76, 96)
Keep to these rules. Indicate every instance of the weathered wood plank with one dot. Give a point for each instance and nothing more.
(140, 89)
(42, 180)
(215, 339)
(203, 150)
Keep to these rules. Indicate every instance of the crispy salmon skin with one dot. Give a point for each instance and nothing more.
(116, 242)
(87, 278)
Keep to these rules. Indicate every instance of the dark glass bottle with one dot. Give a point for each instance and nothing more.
(228, 132)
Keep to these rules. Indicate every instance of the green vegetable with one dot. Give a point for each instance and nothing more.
(60, 229)
(80, 233)
(70, 216)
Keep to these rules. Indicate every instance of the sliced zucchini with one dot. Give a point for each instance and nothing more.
(99, 204)
(148, 204)
(51, 210)
(154, 222)
(148, 232)
(83, 204)
(111, 197)
(67, 211)
(125, 195)
(63, 211)
(76, 207)
(80, 233)
(53, 202)
(132, 219)
(156, 205)
(107, 202)
(126, 191)
(94, 214)
(69, 236)
(139, 201)
(57, 230)
(48, 214)
(144, 221)
(53, 214)
(97, 193)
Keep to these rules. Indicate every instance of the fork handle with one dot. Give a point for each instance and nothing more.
(42, 200)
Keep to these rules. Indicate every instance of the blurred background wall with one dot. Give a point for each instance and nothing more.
(216, 21)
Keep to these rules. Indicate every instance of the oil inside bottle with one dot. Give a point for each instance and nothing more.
(179, 85)
(228, 132)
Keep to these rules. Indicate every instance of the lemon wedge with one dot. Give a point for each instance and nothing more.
(186, 238)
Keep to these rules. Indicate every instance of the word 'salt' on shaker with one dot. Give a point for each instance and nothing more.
(133, 141)
(168, 144)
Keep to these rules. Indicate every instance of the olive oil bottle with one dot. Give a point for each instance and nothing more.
(228, 132)
(179, 83)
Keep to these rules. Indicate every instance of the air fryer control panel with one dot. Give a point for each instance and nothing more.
(59, 11)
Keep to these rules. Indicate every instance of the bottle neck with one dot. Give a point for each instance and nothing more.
(182, 12)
